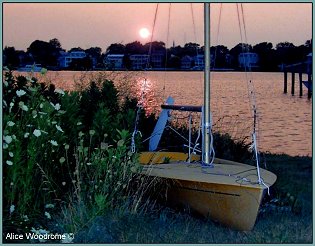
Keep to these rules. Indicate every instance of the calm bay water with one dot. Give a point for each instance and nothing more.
(285, 121)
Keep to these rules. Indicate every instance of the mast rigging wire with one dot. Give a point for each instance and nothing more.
(251, 91)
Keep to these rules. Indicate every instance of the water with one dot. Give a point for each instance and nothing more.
(285, 121)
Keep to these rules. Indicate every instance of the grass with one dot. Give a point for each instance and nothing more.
(281, 219)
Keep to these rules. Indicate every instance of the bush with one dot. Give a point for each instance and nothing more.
(66, 150)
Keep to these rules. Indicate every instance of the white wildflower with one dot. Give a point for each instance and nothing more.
(23, 106)
(40, 232)
(34, 230)
(37, 133)
(25, 217)
(47, 215)
(11, 104)
(20, 93)
(13, 137)
(56, 106)
(62, 111)
(26, 135)
(43, 231)
(7, 139)
(91, 132)
(59, 91)
(62, 160)
(89, 163)
(79, 123)
(34, 113)
(53, 142)
(5, 146)
(63, 183)
(41, 105)
(11, 154)
(10, 123)
(49, 206)
(29, 79)
(59, 128)
(12, 208)
(10, 163)
(54, 122)
(67, 146)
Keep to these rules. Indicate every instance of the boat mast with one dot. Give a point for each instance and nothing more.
(206, 110)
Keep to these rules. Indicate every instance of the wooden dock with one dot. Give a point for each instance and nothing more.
(300, 69)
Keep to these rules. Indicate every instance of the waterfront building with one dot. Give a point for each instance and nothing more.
(114, 61)
(66, 58)
(186, 62)
(139, 61)
(157, 60)
(248, 60)
(199, 62)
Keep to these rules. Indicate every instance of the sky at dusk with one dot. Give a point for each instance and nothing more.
(88, 25)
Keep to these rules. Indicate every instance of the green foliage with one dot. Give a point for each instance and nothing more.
(32, 137)
(227, 148)
(64, 147)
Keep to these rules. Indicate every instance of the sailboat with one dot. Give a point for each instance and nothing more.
(227, 192)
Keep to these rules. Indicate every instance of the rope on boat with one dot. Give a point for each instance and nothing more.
(212, 152)
(140, 107)
(251, 94)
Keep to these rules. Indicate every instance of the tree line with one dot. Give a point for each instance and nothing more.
(47, 54)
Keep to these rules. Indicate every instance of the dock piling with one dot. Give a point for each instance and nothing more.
(300, 68)
(293, 82)
(285, 89)
(310, 87)
(301, 84)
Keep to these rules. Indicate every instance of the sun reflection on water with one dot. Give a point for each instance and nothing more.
(146, 95)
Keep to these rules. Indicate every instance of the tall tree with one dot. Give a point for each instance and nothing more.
(134, 48)
(176, 51)
(76, 49)
(45, 53)
(286, 53)
(267, 56)
(236, 50)
(11, 57)
(156, 47)
(56, 44)
(40, 51)
(191, 49)
(95, 53)
(116, 49)
(220, 54)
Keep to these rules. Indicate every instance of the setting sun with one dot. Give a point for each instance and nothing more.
(144, 32)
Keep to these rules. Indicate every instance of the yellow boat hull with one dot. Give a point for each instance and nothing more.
(227, 193)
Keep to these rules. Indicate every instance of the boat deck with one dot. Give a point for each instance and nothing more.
(230, 173)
